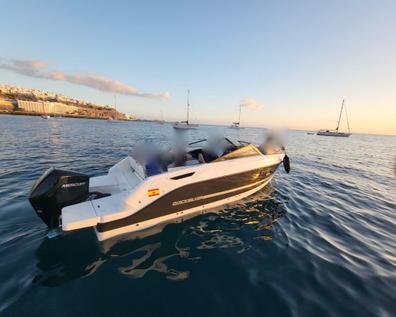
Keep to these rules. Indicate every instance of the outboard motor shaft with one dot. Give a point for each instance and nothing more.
(56, 189)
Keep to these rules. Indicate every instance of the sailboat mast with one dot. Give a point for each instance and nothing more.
(115, 105)
(346, 113)
(188, 106)
(239, 118)
(339, 119)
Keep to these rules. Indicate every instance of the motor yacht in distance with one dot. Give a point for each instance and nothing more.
(135, 195)
(336, 132)
(186, 125)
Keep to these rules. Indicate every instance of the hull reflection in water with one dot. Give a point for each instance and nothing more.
(154, 250)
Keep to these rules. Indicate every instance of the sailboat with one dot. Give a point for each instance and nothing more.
(184, 125)
(336, 132)
(236, 125)
(110, 119)
(160, 121)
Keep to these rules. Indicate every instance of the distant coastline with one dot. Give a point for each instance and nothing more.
(37, 114)
(34, 102)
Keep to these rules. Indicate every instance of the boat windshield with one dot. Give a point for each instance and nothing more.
(155, 161)
(243, 151)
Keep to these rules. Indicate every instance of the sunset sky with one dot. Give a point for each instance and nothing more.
(292, 62)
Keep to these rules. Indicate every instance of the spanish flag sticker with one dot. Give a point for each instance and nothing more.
(153, 192)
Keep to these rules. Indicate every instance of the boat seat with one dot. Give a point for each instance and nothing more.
(132, 179)
(110, 208)
(103, 184)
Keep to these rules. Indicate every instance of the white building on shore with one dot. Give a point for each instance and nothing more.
(46, 107)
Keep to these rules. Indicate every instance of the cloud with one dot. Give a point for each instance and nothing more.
(251, 104)
(39, 69)
(29, 64)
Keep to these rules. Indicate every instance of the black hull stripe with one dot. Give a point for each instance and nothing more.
(103, 228)
(190, 196)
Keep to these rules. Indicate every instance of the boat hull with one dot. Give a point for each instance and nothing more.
(336, 134)
(185, 127)
(190, 198)
(180, 215)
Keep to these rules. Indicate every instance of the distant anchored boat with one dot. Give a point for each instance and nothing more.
(237, 125)
(336, 132)
(111, 119)
(161, 121)
(45, 115)
(185, 125)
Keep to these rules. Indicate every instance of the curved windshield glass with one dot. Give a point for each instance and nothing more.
(248, 150)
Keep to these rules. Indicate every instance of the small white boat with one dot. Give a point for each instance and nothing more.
(111, 119)
(186, 125)
(336, 132)
(135, 195)
(45, 116)
(160, 121)
(237, 125)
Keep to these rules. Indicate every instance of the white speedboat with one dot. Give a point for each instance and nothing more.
(133, 196)
(45, 116)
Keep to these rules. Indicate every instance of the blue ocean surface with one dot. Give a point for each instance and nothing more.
(320, 241)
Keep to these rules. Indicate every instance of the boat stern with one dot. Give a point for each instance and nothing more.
(56, 189)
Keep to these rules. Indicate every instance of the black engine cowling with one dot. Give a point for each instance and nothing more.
(56, 189)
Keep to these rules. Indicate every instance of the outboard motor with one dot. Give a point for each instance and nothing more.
(56, 189)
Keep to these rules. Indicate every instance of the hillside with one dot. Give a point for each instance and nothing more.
(19, 100)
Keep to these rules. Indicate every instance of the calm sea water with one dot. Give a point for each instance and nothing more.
(320, 241)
